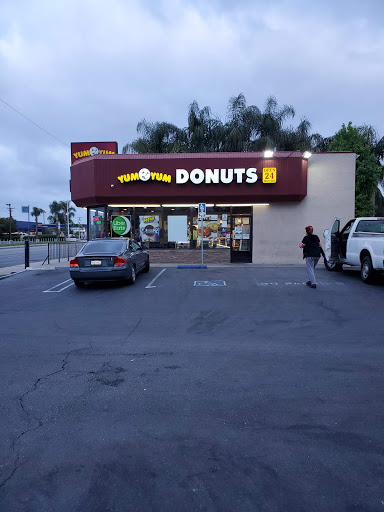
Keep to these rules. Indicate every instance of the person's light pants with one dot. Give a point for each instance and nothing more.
(311, 263)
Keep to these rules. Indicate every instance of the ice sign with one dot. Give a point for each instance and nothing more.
(202, 210)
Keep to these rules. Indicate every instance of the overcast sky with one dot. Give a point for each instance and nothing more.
(90, 70)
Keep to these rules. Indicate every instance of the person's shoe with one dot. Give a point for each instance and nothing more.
(308, 283)
(313, 286)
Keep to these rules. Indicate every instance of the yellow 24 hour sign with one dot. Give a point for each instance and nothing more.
(269, 174)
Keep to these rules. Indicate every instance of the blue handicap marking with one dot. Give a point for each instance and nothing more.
(210, 283)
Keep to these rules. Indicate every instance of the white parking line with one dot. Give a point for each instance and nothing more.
(154, 279)
(301, 283)
(52, 289)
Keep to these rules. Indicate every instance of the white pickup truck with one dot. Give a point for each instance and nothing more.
(360, 242)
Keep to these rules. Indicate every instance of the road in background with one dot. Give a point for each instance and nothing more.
(10, 256)
(262, 394)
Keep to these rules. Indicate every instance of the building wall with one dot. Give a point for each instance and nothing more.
(279, 228)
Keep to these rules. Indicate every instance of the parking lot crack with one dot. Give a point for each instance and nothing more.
(107, 363)
(15, 444)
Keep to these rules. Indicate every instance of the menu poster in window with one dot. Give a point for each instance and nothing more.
(209, 228)
(149, 228)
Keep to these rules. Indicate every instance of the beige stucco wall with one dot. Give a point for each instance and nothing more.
(279, 228)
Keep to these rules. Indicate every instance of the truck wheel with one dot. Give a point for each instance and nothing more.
(367, 272)
(332, 266)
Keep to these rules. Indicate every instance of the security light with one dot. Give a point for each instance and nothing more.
(268, 153)
(307, 154)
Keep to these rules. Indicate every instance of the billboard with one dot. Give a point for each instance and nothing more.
(81, 150)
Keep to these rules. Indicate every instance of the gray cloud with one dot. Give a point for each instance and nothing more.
(90, 71)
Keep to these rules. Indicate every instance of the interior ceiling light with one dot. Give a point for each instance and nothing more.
(134, 205)
(184, 205)
(243, 204)
(307, 154)
(268, 153)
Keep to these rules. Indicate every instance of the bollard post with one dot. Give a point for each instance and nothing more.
(26, 252)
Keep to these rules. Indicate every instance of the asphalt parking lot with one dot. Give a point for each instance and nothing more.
(255, 394)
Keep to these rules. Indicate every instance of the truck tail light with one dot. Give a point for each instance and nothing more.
(74, 263)
(119, 262)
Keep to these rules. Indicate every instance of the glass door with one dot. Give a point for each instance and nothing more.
(241, 239)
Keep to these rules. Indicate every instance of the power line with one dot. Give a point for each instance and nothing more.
(33, 122)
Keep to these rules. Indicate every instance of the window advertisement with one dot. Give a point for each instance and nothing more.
(149, 228)
(177, 228)
(120, 225)
(210, 227)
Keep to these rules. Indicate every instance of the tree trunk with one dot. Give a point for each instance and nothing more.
(36, 228)
(57, 226)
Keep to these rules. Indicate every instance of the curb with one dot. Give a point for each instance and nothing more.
(13, 274)
(191, 266)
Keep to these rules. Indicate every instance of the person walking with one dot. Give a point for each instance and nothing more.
(311, 252)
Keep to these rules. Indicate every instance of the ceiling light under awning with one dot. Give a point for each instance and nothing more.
(134, 205)
(245, 204)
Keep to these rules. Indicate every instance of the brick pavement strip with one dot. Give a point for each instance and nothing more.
(188, 256)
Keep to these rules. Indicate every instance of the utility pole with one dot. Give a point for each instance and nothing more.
(10, 208)
(68, 218)
(80, 227)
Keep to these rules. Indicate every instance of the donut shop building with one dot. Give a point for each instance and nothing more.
(257, 204)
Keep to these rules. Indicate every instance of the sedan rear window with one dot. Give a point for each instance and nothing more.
(104, 247)
(370, 226)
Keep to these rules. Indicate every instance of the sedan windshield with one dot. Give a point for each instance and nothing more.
(103, 247)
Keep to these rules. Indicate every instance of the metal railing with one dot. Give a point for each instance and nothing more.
(31, 240)
(62, 251)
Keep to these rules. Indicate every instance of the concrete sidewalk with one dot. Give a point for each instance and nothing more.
(15, 269)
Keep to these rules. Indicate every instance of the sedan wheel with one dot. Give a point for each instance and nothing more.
(132, 279)
(147, 265)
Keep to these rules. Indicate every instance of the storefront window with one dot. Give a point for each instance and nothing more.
(96, 223)
(173, 227)
(241, 235)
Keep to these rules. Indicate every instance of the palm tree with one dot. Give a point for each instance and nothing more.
(247, 128)
(57, 215)
(68, 213)
(158, 138)
(243, 124)
(205, 132)
(36, 212)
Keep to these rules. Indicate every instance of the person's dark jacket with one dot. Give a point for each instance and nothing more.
(312, 247)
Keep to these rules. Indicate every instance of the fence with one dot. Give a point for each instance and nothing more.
(62, 251)
(31, 240)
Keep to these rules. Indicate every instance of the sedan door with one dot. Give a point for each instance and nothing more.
(141, 256)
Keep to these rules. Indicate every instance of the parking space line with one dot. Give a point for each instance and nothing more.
(52, 289)
(154, 279)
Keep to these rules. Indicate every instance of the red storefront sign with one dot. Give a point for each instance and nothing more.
(189, 178)
(81, 150)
